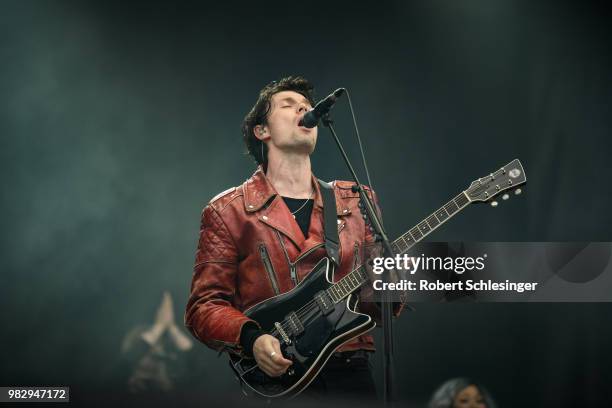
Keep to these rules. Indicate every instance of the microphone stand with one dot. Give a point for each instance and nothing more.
(381, 235)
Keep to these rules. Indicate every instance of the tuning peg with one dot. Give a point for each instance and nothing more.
(518, 191)
(493, 203)
(505, 196)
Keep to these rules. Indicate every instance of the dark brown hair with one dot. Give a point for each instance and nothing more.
(259, 113)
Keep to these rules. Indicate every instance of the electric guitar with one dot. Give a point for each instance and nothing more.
(317, 316)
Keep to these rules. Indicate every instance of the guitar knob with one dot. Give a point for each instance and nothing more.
(493, 203)
(518, 191)
(290, 372)
(505, 196)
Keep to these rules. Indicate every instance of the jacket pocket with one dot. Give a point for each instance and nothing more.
(265, 259)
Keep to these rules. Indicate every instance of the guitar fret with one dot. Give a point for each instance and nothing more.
(410, 242)
(424, 228)
(433, 221)
(358, 278)
(401, 244)
(408, 239)
(461, 200)
(416, 233)
(451, 207)
(441, 214)
(330, 293)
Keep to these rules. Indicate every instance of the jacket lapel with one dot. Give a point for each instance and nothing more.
(260, 197)
(278, 216)
(258, 192)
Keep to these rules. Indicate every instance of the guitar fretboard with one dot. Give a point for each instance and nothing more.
(359, 276)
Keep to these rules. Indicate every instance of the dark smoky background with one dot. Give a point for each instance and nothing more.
(120, 120)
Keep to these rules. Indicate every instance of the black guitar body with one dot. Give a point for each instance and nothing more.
(309, 326)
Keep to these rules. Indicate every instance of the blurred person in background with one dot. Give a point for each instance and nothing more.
(155, 352)
(461, 393)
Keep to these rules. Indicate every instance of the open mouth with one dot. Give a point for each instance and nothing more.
(304, 128)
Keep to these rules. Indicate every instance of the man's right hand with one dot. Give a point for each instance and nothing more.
(269, 357)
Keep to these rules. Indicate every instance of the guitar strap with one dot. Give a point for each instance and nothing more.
(330, 223)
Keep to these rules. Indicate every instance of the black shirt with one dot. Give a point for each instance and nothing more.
(303, 209)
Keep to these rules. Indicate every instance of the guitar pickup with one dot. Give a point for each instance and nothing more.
(294, 323)
(325, 303)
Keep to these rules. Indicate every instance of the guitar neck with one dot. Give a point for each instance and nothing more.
(430, 223)
(352, 281)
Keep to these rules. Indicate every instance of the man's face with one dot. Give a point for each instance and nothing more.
(286, 110)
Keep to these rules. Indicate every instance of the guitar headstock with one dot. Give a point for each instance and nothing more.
(507, 178)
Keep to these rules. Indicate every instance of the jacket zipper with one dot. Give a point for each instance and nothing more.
(293, 265)
(265, 258)
(355, 257)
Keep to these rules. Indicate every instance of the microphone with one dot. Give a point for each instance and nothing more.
(312, 117)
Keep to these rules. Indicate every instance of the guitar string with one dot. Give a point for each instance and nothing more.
(310, 306)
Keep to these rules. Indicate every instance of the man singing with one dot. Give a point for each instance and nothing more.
(262, 238)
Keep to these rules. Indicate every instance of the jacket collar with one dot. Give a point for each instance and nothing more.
(258, 191)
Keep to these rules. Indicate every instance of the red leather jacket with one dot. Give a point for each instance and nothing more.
(251, 249)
